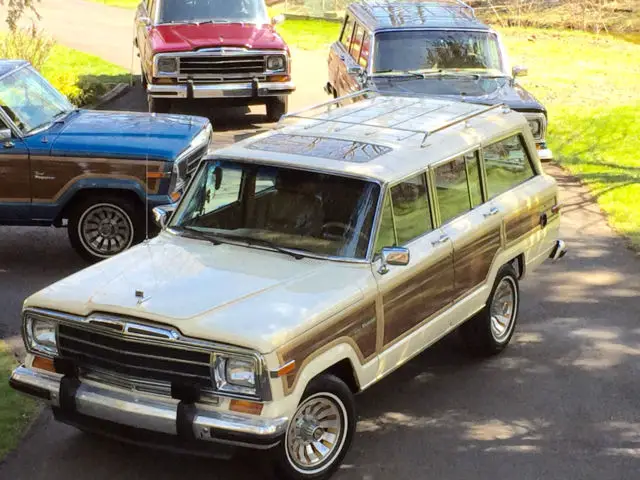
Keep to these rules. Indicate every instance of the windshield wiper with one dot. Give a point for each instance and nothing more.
(191, 232)
(258, 241)
(57, 118)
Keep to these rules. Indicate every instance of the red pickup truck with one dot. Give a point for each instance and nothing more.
(212, 50)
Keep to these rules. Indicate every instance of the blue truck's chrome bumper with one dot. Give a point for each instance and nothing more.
(150, 413)
(222, 91)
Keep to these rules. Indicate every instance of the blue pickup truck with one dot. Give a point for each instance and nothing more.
(98, 173)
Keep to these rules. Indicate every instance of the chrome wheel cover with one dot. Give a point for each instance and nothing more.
(105, 230)
(504, 309)
(316, 434)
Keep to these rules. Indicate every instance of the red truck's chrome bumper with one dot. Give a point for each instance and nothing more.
(222, 91)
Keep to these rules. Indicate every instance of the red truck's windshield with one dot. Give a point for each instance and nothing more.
(199, 11)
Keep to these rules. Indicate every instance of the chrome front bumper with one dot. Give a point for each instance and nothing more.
(150, 413)
(544, 152)
(222, 91)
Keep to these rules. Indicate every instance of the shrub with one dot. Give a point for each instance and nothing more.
(28, 44)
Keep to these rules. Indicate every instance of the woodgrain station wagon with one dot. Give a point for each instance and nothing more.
(300, 267)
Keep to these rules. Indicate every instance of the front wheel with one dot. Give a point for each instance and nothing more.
(490, 330)
(276, 108)
(104, 225)
(319, 433)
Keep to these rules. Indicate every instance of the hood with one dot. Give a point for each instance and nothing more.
(483, 90)
(191, 37)
(241, 296)
(96, 133)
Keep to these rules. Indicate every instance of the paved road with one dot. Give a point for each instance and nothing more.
(560, 403)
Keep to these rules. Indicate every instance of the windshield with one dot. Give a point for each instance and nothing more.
(305, 211)
(30, 101)
(433, 49)
(198, 11)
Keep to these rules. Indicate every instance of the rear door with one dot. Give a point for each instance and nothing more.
(412, 295)
(338, 57)
(472, 226)
(15, 178)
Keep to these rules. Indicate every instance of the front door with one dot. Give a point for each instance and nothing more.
(15, 179)
(412, 295)
(351, 51)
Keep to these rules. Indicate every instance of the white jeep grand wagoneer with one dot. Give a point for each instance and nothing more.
(301, 266)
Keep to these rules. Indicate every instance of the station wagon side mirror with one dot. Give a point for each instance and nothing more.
(357, 72)
(5, 135)
(146, 21)
(395, 256)
(161, 215)
(277, 20)
(520, 71)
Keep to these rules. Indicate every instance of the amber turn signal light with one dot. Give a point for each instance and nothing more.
(246, 406)
(280, 78)
(43, 364)
(175, 196)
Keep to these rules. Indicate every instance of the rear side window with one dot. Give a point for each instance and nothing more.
(458, 186)
(347, 32)
(364, 53)
(411, 209)
(507, 164)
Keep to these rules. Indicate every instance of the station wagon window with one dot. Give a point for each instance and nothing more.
(386, 233)
(458, 186)
(507, 164)
(347, 32)
(356, 44)
(411, 209)
(364, 54)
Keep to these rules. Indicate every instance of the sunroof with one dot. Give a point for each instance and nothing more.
(331, 148)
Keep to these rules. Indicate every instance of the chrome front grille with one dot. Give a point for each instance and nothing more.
(193, 160)
(131, 357)
(223, 66)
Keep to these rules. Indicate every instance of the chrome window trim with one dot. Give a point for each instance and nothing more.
(174, 340)
(12, 126)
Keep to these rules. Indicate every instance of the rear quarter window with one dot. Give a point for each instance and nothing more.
(507, 164)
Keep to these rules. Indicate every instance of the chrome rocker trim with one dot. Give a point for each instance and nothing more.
(153, 413)
(222, 91)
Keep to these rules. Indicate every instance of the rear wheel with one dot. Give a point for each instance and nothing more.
(490, 330)
(102, 226)
(159, 105)
(276, 108)
(319, 433)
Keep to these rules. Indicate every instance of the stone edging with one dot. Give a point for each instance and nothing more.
(112, 94)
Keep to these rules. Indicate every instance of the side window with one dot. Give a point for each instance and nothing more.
(347, 32)
(507, 164)
(364, 53)
(458, 186)
(411, 209)
(356, 44)
(386, 234)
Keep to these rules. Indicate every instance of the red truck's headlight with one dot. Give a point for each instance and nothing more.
(276, 63)
(167, 65)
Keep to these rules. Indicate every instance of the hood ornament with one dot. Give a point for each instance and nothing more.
(140, 296)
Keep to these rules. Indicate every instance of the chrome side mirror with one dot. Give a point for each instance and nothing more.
(161, 215)
(5, 135)
(395, 256)
(146, 21)
(277, 20)
(520, 71)
(359, 73)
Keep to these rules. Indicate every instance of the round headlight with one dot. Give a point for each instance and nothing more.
(275, 63)
(41, 335)
(167, 65)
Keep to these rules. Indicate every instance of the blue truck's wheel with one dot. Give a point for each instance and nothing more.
(102, 226)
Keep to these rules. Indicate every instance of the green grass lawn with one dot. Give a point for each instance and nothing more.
(80, 76)
(16, 410)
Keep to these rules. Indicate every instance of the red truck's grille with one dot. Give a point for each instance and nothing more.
(222, 66)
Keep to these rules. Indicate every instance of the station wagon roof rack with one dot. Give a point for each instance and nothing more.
(403, 12)
(326, 114)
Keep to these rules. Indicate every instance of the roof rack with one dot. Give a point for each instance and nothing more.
(383, 9)
(331, 105)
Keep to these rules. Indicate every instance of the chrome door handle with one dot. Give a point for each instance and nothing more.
(494, 211)
(440, 241)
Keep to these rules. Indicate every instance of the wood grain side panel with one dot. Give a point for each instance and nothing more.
(473, 261)
(417, 298)
(53, 176)
(15, 174)
(357, 327)
(527, 220)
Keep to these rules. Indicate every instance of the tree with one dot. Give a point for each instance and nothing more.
(15, 9)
